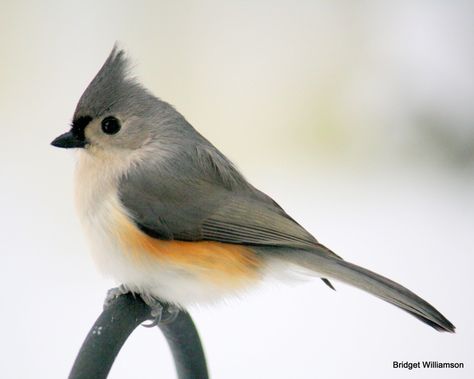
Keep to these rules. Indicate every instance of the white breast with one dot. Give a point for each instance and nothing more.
(97, 201)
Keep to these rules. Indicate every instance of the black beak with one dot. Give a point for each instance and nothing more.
(68, 140)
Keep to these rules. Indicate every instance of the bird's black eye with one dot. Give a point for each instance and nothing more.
(110, 125)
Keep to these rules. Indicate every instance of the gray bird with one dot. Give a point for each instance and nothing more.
(171, 218)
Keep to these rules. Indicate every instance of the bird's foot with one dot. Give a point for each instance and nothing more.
(161, 313)
(113, 293)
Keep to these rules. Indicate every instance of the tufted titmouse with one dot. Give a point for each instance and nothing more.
(171, 218)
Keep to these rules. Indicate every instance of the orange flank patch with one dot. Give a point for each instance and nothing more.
(217, 261)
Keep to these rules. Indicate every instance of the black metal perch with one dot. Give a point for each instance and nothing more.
(115, 325)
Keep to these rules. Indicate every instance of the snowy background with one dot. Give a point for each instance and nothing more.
(357, 117)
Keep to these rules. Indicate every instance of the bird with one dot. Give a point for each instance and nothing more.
(171, 218)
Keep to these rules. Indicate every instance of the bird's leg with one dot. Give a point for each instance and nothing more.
(161, 313)
(113, 293)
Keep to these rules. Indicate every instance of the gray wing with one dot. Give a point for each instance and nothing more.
(201, 211)
(203, 197)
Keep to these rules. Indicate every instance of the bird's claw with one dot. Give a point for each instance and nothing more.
(113, 293)
(161, 313)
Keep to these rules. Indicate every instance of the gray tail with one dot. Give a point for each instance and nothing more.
(386, 289)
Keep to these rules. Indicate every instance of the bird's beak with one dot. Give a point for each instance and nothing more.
(68, 140)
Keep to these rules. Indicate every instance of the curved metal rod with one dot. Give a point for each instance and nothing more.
(115, 325)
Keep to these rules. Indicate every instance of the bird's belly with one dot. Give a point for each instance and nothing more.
(176, 271)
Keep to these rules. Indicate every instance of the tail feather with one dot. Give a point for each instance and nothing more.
(373, 283)
(328, 283)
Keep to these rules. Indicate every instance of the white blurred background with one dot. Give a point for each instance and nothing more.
(357, 117)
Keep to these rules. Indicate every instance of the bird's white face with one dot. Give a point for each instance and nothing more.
(116, 132)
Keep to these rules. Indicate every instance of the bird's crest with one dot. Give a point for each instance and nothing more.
(111, 85)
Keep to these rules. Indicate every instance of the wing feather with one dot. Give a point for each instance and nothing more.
(200, 205)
